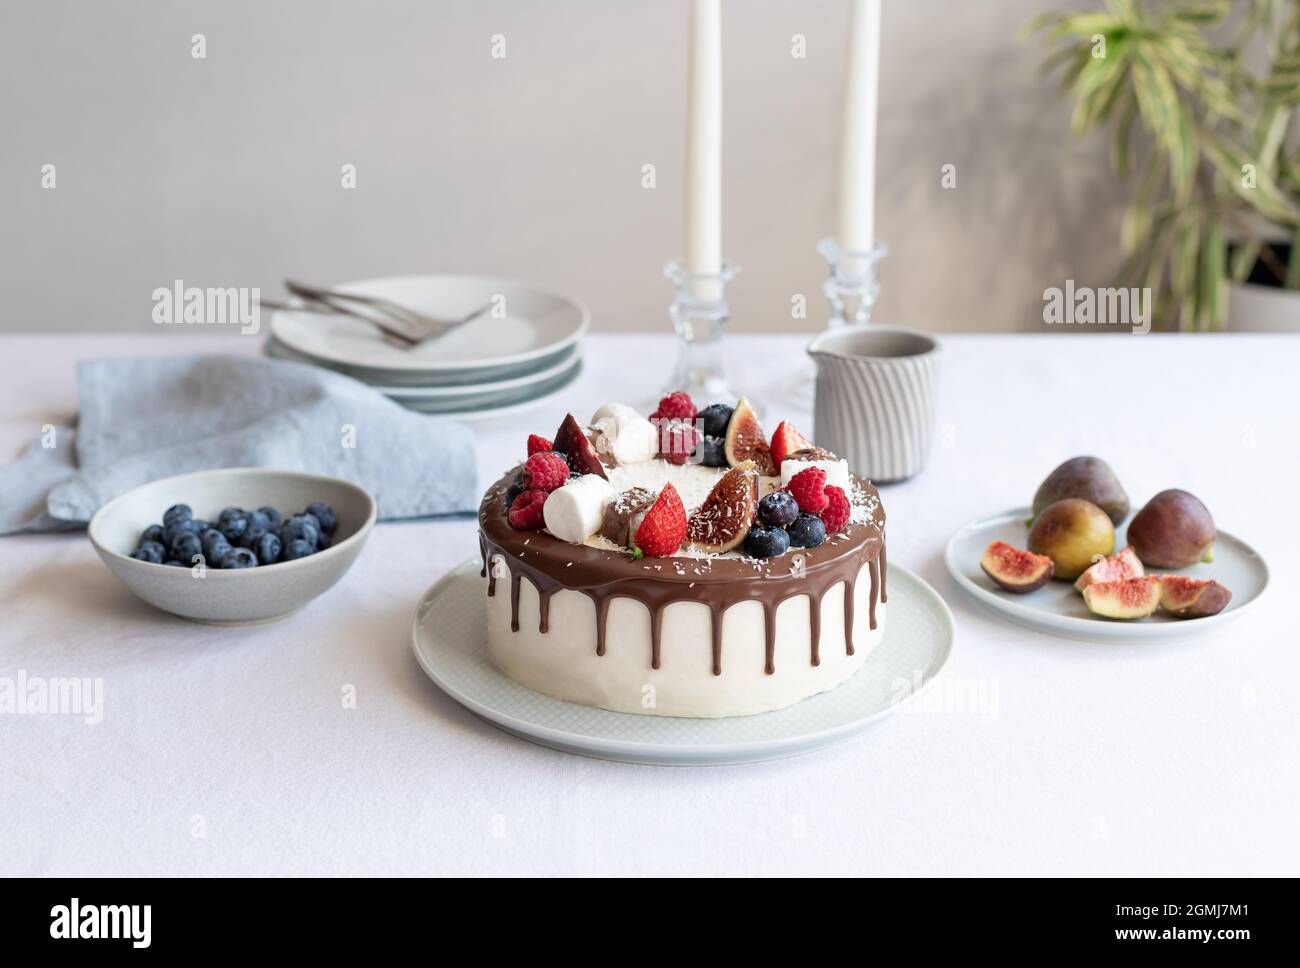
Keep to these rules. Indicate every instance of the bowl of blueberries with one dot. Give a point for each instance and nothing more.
(236, 546)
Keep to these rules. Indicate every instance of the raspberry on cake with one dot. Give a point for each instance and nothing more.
(526, 510)
(838, 511)
(683, 584)
(546, 471)
(809, 489)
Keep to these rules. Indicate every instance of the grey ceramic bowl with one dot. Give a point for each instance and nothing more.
(236, 596)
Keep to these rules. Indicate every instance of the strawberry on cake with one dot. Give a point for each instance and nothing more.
(680, 564)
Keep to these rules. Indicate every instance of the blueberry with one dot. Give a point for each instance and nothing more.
(233, 527)
(315, 521)
(152, 533)
(766, 541)
(713, 452)
(300, 528)
(258, 519)
(251, 536)
(238, 558)
(200, 525)
(268, 548)
(325, 515)
(185, 546)
(807, 531)
(778, 508)
(715, 418)
(296, 549)
(515, 489)
(177, 512)
(273, 517)
(170, 532)
(215, 544)
(323, 541)
(231, 512)
(150, 551)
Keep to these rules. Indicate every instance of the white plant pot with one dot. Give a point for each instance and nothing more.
(1263, 309)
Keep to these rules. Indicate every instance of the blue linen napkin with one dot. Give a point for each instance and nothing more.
(142, 419)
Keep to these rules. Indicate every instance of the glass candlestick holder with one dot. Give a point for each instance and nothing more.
(851, 286)
(699, 311)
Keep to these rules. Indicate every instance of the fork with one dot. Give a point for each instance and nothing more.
(391, 335)
(391, 317)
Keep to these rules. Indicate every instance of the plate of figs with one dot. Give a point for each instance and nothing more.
(1079, 564)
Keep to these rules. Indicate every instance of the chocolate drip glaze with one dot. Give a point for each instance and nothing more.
(656, 622)
(884, 572)
(552, 565)
(544, 613)
(848, 619)
(875, 587)
(815, 626)
(769, 636)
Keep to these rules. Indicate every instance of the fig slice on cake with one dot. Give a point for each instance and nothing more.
(1123, 564)
(1127, 598)
(746, 441)
(572, 441)
(722, 521)
(1192, 597)
(1016, 570)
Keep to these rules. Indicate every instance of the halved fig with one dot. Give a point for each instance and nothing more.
(1192, 597)
(1016, 570)
(746, 441)
(786, 441)
(1127, 598)
(1123, 564)
(722, 521)
(572, 441)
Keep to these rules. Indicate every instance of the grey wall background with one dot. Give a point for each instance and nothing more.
(226, 171)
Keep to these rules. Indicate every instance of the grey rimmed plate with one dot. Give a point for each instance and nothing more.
(449, 638)
(1058, 609)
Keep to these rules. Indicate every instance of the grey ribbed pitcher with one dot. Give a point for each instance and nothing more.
(875, 399)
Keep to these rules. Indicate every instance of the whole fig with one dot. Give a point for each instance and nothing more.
(1073, 533)
(1089, 478)
(1173, 530)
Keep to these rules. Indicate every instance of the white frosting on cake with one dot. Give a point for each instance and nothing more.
(563, 663)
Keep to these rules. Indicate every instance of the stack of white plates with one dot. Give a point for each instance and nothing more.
(523, 351)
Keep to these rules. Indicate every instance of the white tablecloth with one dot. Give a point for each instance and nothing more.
(231, 751)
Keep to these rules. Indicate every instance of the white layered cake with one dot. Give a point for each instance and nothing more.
(678, 565)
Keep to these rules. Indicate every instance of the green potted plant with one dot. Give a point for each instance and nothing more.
(1199, 97)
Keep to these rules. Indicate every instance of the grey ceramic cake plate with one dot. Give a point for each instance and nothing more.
(448, 635)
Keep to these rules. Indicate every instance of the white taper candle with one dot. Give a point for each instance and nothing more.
(858, 152)
(704, 144)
